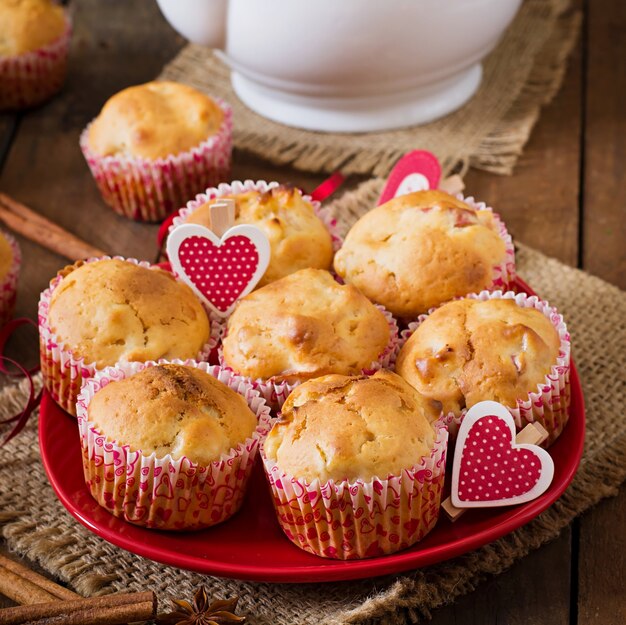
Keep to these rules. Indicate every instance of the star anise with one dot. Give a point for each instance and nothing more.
(202, 612)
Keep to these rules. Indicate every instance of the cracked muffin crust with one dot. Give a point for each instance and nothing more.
(298, 237)
(113, 310)
(419, 250)
(173, 409)
(469, 350)
(303, 326)
(347, 428)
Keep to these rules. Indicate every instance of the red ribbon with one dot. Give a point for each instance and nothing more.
(21, 418)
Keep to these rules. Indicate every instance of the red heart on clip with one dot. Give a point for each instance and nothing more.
(415, 171)
(222, 270)
(489, 468)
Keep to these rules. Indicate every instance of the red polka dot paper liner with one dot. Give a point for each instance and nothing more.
(489, 468)
(239, 186)
(361, 519)
(167, 493)
(549, 403)
(8, 284)
(276, 391)
(149, 190)
(64, 371)
(31, 78)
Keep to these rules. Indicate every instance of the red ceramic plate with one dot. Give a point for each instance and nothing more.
(252, 546)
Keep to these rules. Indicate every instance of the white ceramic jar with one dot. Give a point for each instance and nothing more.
(348, 65)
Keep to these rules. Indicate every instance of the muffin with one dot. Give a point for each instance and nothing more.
(169, 445)
(425, 248)
(356, 465)
(34, 43)
(304, 326)
(98, 313)
(509, 348)
(10, 261)
(154, 146)
(301, 234)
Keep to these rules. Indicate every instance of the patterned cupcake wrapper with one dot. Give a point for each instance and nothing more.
(147, 190)
(167, 493)
(63, 371)
(549, 404)
(8, 286)
(276, 392)
(32, 78)
(349, 520)
(239, 186)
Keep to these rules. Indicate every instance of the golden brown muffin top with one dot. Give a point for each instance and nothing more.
(298, 238)
(346, 428)
(469, 351)
(26, 25)
(113, 310)
(154, 120)
(419, 250)
(173, 409)
(6, 256)
(303, 326)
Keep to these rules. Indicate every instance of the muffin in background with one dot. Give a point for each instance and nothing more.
(356, 465)
(155, 146)
(300, 233)
(10, 262)
(104, 311)
(425, 248)
(509, 348)
(304, 326)
(34, 44)
(184, 435)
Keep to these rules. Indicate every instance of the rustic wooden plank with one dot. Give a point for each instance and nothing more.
(8, 125)
(45, 168)
(604, 231)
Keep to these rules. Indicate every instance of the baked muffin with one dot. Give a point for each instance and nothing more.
(298, 236)
(499, 349)
(368, 453)
(424, 248)
(195, 429)
(34, 41)
(154, 146)
(10, 262)
(99, 313)
(303, 326)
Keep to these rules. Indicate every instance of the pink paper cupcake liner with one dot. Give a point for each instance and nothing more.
(31, 78)
(238, 186)
(361, 519)
(549, 404)
(63, 372)
(149, 190)
(8, 285)
(276, 392)
(167, 493)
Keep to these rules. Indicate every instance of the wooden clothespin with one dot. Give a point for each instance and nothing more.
(532, 434)
(222, 215)
(452, 184)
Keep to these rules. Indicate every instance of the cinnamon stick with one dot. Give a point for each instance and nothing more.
(106, 610)
(24, 586)
(37, 228)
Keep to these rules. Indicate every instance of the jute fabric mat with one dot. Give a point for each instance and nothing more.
(489, 132)
(35, 524)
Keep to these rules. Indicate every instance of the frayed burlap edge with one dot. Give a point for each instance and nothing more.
(520, 76)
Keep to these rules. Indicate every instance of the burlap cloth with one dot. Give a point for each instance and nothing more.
(521, 75)
(35, 524)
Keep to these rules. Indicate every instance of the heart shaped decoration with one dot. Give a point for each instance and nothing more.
(219, 270)
(415, 171)
(489, 469)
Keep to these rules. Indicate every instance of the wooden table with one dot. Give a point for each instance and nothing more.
(567, 198)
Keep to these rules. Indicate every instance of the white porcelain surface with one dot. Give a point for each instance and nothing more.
(348, 65)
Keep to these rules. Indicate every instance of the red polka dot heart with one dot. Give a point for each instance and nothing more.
(220, 271)
(489, 469)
